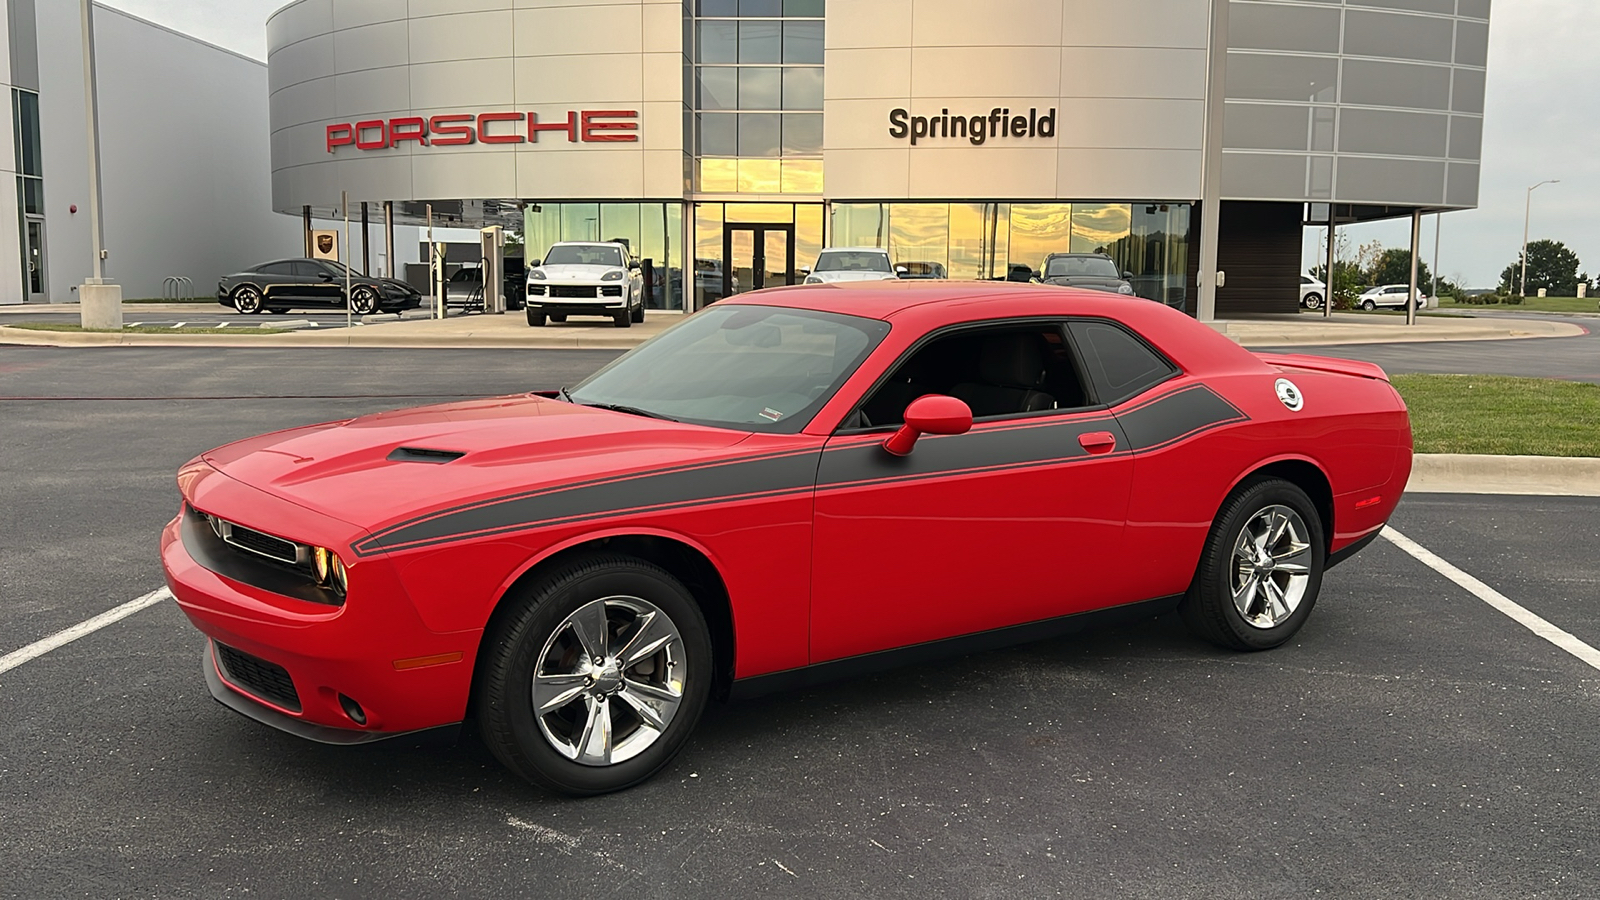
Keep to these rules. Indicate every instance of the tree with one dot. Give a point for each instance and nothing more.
(1393, 266)
(1550, 266)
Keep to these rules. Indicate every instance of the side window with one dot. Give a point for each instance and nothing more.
(308, 270)
(276, 270)
(997, 371)
(1119, 364)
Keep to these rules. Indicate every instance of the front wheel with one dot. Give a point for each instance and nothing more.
(535, 317)
(363, 300)
(1368, 305)
(622, 319)
(596, 677)
(1261, 569)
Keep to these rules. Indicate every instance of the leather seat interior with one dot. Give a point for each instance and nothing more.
(1011, 371)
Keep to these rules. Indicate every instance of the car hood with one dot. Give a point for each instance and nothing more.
(1089, 282)
(356, 471)
(560, 273)
(838, 277)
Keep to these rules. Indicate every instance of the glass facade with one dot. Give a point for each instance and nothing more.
(653, 231)
(1001, 240)
(30, 187)
(757, 106)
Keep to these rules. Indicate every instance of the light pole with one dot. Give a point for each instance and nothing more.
(1527, 213)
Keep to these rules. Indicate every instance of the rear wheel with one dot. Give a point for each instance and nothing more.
(1261, 569)
(596, 677)
(638, 314)
(247, 299)
(1313, 301)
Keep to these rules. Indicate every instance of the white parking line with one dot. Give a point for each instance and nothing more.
(1521, 615)
(180, 324)
(89, 626)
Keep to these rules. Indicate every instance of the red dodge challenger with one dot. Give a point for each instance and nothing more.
(796, 485)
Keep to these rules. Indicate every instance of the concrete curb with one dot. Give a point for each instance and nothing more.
(303, 336)
(1470, 473)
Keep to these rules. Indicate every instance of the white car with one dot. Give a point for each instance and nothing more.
(839, 264)
(585, 278)
(1390, 296)
(1312, 292)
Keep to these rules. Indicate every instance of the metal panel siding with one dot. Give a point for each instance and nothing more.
(24, 44)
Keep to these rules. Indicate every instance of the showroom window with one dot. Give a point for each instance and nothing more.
(653, 231)
(758, 96)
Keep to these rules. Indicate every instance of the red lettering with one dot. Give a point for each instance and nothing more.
(415, 130)
(483, 128)
(446, 133)
(363, 127)
(570, 126)
(340, 136)
(592, 128)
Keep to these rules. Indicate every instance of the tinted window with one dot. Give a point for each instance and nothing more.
(277, 268)
(1119, 364)
(1066, 266)
(309, 270)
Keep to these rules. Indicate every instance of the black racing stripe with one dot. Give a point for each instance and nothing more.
(988, 449)
(751, 477)
(1175, 416)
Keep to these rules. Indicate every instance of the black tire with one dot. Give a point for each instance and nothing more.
(363, 301)
(558, 317)
(246, 299)
(1368, 305)
(277, 310)
(622, 319)
(1208, 608)
(504, 683)
(1313, 301)
(638, 314)
(535, 317)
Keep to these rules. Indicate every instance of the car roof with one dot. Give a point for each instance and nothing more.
(586, 244)
(855, 250)
(883, 299)
(1095, 255)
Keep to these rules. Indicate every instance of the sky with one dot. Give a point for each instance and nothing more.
(1541, 120)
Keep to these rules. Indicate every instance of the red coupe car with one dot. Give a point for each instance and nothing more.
(795, 485)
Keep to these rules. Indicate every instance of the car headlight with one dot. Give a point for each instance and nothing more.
(1125, 289)
(329, 569)
(614, 275)
(535, 275)
(812, 279)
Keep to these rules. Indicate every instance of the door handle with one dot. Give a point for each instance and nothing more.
(1098, 441)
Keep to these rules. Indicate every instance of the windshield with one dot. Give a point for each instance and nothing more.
(583, 255)
(1067, 266)
(852, 261)
(755, 368)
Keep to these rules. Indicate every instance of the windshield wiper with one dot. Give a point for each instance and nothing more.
(631, 410)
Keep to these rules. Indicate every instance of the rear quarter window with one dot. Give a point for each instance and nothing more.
(1120, 364)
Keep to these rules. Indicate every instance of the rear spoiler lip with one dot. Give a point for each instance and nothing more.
(1311, 363)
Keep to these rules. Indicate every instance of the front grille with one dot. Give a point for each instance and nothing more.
(269, 681)
(572, 291)
(264, 544)
(611, 290)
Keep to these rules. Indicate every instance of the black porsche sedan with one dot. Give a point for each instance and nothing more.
(285, 284)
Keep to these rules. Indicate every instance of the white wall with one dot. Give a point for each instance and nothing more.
(334, 61)
(184, 156)
(1127, 80)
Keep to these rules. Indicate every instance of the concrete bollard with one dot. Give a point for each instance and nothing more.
(1583, 289)
(1543, 292)
(100, 306)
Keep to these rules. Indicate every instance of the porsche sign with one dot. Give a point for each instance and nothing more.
(457, 129)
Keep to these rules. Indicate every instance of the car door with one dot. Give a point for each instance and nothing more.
(280, 286)
(1018, 520)
(319, 284)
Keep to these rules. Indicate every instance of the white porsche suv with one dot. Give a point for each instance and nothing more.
(582, 278)
(838, 264)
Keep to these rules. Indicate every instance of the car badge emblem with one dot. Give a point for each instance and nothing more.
(324, 243)
(1289, 395)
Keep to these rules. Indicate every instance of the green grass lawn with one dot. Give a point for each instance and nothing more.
(200, 299)
(1502, 415)
(140, 329)
(1537, 304)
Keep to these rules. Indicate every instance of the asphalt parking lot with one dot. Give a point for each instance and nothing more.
(1411, 741)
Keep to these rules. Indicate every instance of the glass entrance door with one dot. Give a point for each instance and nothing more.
(35, 268)
(758, 256)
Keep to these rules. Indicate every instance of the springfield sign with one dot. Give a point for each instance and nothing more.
(999, 123)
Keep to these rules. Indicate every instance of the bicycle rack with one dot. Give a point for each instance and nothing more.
(177, 288)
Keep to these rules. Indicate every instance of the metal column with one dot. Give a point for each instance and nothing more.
(1416, 251)
(366, 254)
(1211, 172)
(305, 220)
(388, 238)
(1327, 280)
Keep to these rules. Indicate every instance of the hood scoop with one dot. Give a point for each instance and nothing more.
(423, 455)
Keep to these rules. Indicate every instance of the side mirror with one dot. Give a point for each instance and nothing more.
(805, 270)
(929, 414)
(902, 271)
(533, 263)
(1126, 275)
(633, 264)
(325, 276)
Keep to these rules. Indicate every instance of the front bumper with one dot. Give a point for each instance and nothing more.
(373, 651)
(596, 298)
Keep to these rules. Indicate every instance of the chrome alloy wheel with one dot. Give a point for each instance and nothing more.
(609, 680)
(1272, 566)
(247, 299)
